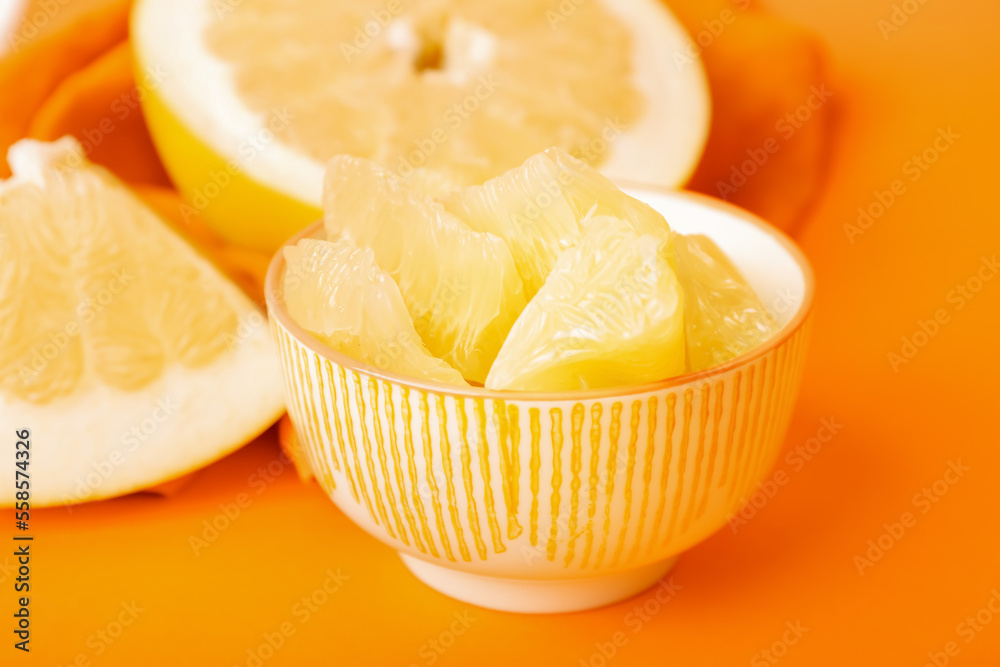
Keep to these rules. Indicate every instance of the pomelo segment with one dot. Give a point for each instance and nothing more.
(611, 313)
(122, 349)
(337, 293)
(723, 316)
(540, 208)
(460, 286)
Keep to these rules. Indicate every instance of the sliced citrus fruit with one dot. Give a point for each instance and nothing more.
(447, 93)
(610, 313)
(338, 293)
(723, 315)
(539, 209)
(460, 286)
(129, 357)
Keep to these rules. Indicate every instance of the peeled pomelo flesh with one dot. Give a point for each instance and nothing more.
(723, 316)
(610, 313)
(460, 286)
(539, 209)
(612, 300)
(339, 294)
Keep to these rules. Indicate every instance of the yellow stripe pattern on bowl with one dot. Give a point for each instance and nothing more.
(546, 487)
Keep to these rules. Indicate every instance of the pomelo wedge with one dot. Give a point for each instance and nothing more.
(611, 313)
(336, 292)
(460, 286)
(723, 316)
(539, 209)
(129, 358)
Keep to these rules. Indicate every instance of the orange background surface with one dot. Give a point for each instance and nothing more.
(793, 562)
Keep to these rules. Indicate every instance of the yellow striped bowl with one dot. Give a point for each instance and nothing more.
(554, 502)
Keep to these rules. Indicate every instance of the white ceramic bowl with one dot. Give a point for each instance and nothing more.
(536, 502)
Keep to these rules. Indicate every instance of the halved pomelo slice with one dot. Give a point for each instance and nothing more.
(460, 286)
(723, 316)
(539, 209)
(611, 313)
(129, 357)
(247, 100)
(338, 293)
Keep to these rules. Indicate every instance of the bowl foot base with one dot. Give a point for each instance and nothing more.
(537, 596)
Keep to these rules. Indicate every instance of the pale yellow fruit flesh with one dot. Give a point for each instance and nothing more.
(460, 286)
(724, 318)
(447, 93)
(339, 294)
(610, 313)
(539, 210)
(130, 358)
(83, 269)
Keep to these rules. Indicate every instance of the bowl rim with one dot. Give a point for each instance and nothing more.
(276, 309)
